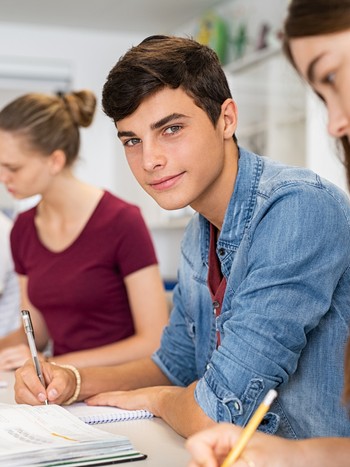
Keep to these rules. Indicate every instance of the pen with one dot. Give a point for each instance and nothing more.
(28, 328)
(249, 430)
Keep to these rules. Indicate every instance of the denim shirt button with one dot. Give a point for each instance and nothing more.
(221, 251)
(236, 405)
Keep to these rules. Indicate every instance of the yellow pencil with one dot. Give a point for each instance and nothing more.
(249, 430)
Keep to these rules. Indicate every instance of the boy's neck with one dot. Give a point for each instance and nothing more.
(215, 204)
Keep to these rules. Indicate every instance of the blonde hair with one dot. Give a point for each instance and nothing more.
(50, 122)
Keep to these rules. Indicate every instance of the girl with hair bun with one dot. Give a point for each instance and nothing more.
(86, 264)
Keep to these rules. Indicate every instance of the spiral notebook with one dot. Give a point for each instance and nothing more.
(105, 414)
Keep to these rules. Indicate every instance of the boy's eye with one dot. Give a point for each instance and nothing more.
(173, 129)
(131, 142)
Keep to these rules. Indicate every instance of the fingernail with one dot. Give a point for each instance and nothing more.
(52, 394)
(42, 397)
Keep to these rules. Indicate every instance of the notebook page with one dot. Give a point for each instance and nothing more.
(105, 414)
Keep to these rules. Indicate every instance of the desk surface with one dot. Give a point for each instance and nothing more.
(151, 436)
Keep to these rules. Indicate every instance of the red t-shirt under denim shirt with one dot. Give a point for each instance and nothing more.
(216, 280)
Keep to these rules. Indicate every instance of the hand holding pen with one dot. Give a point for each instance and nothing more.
(28, 328)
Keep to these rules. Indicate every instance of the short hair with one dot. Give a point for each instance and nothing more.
(160, 62)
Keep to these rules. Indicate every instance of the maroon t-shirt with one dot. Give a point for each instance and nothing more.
(80, 290)
(216, 280)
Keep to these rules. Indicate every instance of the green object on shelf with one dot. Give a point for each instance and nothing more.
(240, 41)
(213, 32)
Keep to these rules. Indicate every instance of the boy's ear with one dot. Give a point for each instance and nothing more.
(229, 114)
(57, 161)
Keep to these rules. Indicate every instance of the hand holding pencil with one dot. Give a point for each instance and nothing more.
(212, 447)
(250, 429)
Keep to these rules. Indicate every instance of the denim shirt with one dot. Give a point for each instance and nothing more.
(284, 249)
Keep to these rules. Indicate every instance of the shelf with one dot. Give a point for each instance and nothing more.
(252, 59)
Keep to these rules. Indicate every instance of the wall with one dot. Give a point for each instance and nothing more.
(90, 55)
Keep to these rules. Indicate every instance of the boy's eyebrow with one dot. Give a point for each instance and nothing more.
(154, 126)
(165, 120)
(129, 134)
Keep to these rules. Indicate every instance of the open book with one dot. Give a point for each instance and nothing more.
(105, 414)
(48, 435)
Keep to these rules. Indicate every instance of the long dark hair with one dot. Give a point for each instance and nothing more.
(313, 18)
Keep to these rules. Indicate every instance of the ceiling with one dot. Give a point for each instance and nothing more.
(133, 16)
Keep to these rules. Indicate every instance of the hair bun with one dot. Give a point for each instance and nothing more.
(81, 105)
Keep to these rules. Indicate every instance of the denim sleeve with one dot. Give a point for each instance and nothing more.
(176, 356)
(289, 263)
(185, 349)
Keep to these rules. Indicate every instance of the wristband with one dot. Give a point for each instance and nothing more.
(78, 383)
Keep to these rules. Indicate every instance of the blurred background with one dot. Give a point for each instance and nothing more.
(51, 46)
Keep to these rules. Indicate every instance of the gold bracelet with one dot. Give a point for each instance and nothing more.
(78, 383)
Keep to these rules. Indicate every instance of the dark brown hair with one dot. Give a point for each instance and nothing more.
(313, 18)
(165, 61)
(50, 122)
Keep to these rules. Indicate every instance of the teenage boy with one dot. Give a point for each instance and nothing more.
(263, 296)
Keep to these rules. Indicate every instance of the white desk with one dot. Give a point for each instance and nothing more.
(153, 437)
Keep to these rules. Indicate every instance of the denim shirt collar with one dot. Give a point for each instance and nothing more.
(240, 208)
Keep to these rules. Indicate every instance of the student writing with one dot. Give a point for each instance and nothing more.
(85, 260)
